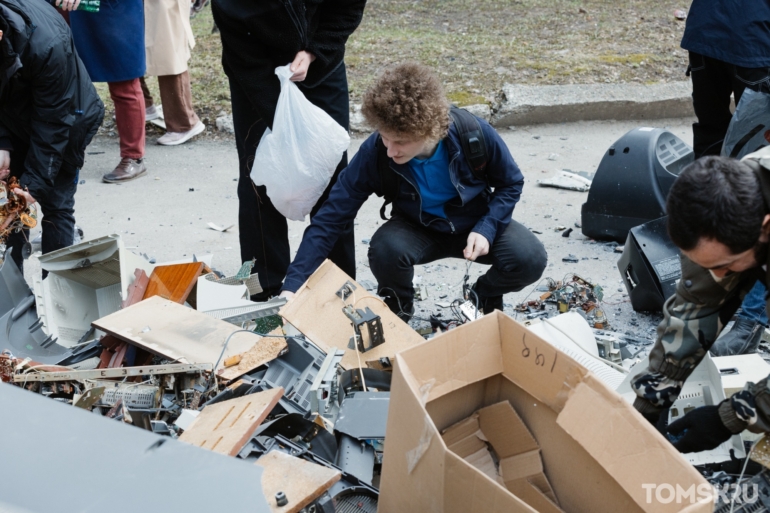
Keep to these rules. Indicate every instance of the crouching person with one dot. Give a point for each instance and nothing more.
(453, 185)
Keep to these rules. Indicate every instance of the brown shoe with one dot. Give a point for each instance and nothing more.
(127, 170)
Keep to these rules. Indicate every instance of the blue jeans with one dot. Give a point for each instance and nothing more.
(753, 307)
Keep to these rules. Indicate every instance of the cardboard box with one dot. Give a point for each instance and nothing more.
(599, 454)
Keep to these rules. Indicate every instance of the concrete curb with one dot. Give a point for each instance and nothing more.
(530, 105)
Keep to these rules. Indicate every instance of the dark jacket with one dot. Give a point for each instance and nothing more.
(258, 36)
(49, 109)
(692, 320)
(735, 31)
(477, 209)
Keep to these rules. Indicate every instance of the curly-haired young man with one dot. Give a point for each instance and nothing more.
(441, 207)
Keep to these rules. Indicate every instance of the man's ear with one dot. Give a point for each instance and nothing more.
(764, 235)
(1, 35)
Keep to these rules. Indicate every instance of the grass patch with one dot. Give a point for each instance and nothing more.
(476, 46)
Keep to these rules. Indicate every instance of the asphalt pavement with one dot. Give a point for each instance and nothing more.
(165, 214)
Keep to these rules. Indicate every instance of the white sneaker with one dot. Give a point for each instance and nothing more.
(174, 138)
(153, 112)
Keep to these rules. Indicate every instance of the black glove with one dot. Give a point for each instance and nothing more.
(702, 429)
(659, 420)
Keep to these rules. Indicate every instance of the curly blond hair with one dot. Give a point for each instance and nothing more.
(407, 99)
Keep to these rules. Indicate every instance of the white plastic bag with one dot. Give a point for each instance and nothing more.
(749, 128)
(296, 160)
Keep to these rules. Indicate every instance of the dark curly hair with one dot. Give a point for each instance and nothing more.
(407, 99)
(716, 198)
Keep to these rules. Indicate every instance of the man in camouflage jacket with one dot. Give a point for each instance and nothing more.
(719, 216)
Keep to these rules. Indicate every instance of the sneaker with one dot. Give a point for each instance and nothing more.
(744, 338)
(153, 112)
(127, 170)
(174, 138)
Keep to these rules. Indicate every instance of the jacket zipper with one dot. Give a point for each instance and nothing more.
(451, 226)
(295, 19)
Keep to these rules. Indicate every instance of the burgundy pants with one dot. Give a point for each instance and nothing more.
(129, 116)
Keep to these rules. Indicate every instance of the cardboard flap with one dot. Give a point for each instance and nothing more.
(629, 448)
(521, 466)
(505, 430)
(454, 359)
(316, 311)
(537, 366)
(527, 492)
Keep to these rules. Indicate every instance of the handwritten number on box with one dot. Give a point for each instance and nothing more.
(540, 359)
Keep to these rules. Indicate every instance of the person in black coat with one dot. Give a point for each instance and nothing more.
(258, 37)
(49, 112)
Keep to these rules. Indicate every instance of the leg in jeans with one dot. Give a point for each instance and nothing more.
(332, 96)
(518, 259)
(712, 85)
(176, 98)
(263, 231)
(396, 247)
(129, 117)
(754, 306)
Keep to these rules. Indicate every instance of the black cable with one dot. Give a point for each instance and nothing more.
(400, 308)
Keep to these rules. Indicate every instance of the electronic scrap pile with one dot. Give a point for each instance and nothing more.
(15, 214)
(180, 352)
(573, 293)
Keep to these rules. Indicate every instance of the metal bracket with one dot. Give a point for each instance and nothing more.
(121, 372)
(373, 325)
(346, 290)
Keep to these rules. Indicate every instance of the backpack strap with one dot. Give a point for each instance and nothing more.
(389, 180)
(472, 140)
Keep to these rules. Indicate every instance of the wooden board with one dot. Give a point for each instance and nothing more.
(300, 480)
(266, 350)
(316, 311)
(226, 427)
(177, 332)
(137, 289)
(174, 282)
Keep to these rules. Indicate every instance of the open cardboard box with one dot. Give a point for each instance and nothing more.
(598, 453)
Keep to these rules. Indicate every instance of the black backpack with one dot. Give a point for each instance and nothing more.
(474, 149)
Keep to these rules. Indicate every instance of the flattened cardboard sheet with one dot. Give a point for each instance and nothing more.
(301, 481)
(264, 351)
(316, 311)
(177, 332)
(226, 427)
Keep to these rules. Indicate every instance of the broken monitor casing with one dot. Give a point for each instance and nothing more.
(703, 388)
(632, 182)
(86, 282)
(650, 266)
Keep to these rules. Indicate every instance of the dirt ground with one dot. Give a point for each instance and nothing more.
(478, 45)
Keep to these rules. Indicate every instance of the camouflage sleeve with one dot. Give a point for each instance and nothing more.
(691, 323)
(748, 409)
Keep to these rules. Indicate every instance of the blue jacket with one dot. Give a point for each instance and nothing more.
(733, 31)
(478, 209)
(111, 42)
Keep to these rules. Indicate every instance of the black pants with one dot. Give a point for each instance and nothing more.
(264, 230)
(517, 258)
(58, 209)
(713, 82)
